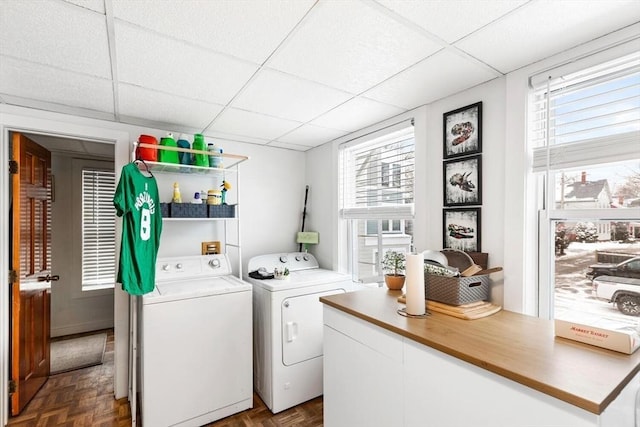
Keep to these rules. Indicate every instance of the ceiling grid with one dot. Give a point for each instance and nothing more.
(293, 74)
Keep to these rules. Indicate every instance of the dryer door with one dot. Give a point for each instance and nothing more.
(302, 327)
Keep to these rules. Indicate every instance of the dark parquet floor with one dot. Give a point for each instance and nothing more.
(85, 398)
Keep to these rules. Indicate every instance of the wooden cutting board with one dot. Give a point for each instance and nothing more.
(474, 310)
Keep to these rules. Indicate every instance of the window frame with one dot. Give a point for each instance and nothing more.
(382, 212)
(587, 153)
(77, 291)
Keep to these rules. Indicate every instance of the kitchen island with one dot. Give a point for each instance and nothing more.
(508, 369)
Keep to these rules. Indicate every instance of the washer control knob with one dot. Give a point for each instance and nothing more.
(214, 263)
(179, 266)
(166, 267)
(306, 257)
(283, 258)
(298, 257)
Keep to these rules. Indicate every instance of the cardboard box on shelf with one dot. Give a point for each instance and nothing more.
(619, 335)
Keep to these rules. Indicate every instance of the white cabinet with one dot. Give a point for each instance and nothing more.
(377, 378)
(363, 383)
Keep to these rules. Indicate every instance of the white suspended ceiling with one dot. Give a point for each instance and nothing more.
(287, 73)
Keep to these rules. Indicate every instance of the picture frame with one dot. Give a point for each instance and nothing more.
(462, 181)
(462, 131)
(461, 229)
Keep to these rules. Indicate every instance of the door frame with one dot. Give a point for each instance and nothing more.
(45, 123)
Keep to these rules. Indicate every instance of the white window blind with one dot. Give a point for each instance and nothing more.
(377, 176)
(98, 228)
(587, 117)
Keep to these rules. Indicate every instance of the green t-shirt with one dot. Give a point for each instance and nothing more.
(136, 201)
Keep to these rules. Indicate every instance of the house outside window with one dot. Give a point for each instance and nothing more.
(377, 181)
(584, 128)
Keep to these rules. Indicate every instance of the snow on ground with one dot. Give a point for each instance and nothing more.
(573, 291)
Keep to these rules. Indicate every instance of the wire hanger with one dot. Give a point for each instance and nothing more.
(146, 166)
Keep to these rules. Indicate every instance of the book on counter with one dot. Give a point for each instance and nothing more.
(614, 334)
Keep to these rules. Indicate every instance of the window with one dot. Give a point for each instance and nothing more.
(98, 229)
(584, 132)
(390, 174)
(376, 183)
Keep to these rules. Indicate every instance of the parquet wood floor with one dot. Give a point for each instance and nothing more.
(84, 398)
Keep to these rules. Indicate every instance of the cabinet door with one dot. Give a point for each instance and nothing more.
(447, 392)
(362, 387)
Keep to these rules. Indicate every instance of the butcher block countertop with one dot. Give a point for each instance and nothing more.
(519, 347)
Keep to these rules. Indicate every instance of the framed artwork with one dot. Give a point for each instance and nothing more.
(462, 181)
(462, 131)
(461, 229)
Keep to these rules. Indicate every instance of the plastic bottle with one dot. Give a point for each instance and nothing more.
(168, 156)
(196, 198)
(220, 164)
(213, 159)
(199, 144)
(176, 194)
(185, 158)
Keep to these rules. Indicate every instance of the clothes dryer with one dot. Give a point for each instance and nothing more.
(288, 326)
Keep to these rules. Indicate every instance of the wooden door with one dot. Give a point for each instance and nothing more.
(31, 260)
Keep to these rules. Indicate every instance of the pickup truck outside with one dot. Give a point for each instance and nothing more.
(623, 291)
(627, 268)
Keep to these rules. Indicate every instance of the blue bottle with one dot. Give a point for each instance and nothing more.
(185, 158)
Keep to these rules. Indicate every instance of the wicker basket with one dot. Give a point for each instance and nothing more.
(221, 211)
(188, 210)
(456, 290)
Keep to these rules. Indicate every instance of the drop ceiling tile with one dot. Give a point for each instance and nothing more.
(157, 62)
(37, 104)
(543, 28)
(39, 82)
(222, 138)
(436, 77)
(289, 97)
(289, 146)
(143, 103)
(350, 46)
(248, 29)
(356, 114)
(95, 5)
(311, 136)
(54, 33)
(451, 20)
(240, 122)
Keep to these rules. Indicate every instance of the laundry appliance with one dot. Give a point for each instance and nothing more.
(195, 343)
(288, 326)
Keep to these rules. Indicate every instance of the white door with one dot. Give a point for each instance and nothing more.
(302, 327)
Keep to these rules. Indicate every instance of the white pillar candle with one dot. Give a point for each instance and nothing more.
(415, 285)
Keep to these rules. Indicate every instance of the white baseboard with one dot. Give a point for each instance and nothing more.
(81, 328)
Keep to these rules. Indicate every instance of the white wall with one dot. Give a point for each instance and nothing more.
(429, 168)
(72, 311)
(492, 95)
(509, 223)
(271, 196)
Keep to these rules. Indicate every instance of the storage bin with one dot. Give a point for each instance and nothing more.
(456, 290)
(188, 210)
(164, 210)
(221, 211)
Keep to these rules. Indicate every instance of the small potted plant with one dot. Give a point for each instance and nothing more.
(393, 265)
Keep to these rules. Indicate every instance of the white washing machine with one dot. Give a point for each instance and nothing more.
(195, 343)
(287, 326)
